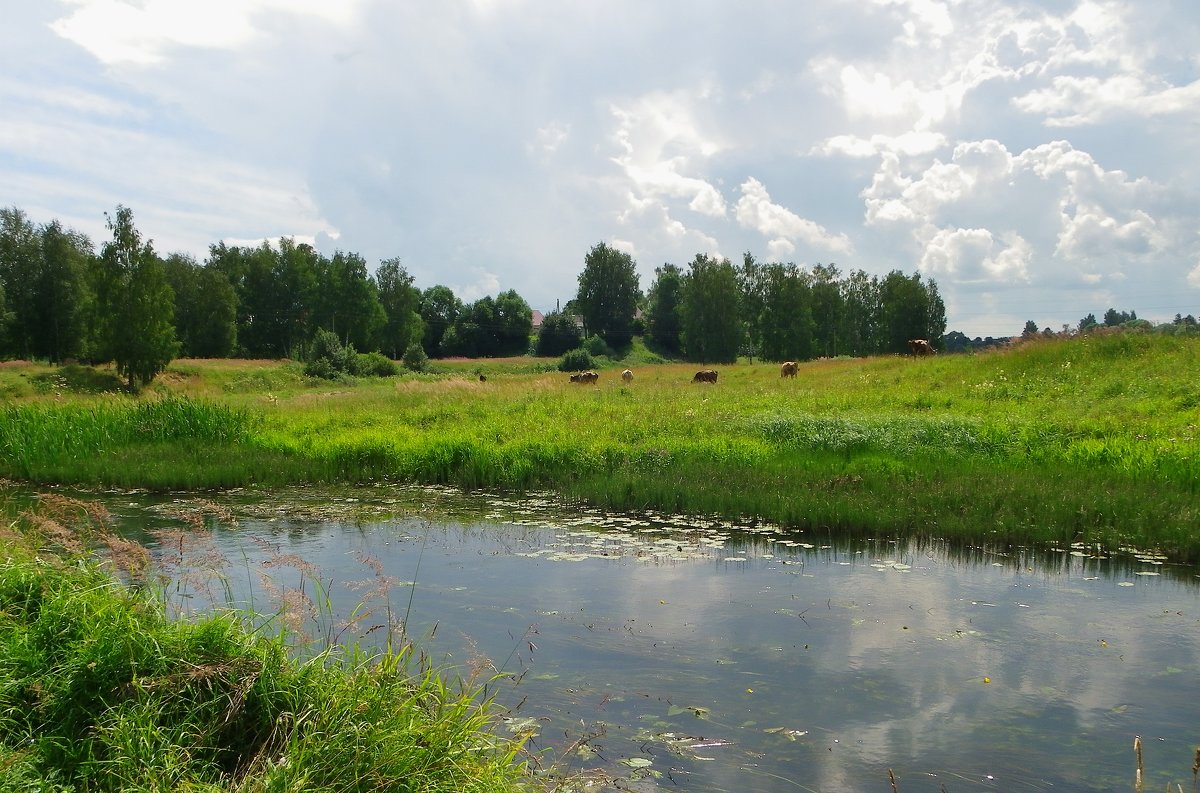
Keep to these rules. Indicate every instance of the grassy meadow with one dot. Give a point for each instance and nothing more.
(1089, 439)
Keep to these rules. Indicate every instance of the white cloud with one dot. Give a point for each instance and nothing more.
(483, 283)
(755, 210)
(1193, 277)
(660, 141)
(909, 143)
(123, 31)
(779, 250)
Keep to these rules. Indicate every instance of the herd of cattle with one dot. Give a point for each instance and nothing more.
(918, 347)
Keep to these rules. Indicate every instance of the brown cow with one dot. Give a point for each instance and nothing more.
(585, 377)
(575, 378)
(627, 376)
(705, 376)
(921, 347)
(787, 369)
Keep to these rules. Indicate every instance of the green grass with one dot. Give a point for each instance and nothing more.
(1090, 439)
(101, 691)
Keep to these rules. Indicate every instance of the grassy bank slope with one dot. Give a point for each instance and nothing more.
(99, 691)
(1090, 439)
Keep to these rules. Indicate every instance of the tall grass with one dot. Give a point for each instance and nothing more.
(1090, 438)
(101, 691)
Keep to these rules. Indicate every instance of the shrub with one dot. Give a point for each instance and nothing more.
(415, 357)
(322, 368)
(576, 361)
(374, 364)
(597, 346)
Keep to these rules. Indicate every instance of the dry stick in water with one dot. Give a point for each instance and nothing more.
(1195, 769)
(1137, 751)
(892, 779)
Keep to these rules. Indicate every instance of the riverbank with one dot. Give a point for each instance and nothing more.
(1091, 439)
(101, 691)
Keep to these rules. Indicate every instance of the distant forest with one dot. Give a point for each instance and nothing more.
(62, 299)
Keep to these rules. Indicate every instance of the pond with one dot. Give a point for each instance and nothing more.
(651, 652)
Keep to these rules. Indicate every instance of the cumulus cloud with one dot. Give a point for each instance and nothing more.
(755, 210)
(660, 140)
(973, 255)
(1089, 215)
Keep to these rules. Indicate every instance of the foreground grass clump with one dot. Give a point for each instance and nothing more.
(1089, 439)
(100, 691)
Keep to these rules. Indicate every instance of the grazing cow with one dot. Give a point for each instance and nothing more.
(627, 376)
(921, 347)
(787, 369)
(483, 378)
(585, 377)
(575, 378)
(705, 376)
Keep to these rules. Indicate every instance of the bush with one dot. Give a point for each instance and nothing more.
(373, 364)
(576, 361)
(415, 357)
(327, 358)
(322, 368)
(597, 346)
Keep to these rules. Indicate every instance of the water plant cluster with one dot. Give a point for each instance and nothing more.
(100, 690)
(1090, 439)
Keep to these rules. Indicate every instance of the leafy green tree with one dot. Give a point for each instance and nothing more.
(296, 278)
(1113, 318)
(260, 306)
(347, 300)
(664, 326)
(205, 308)
(474, 333)
(5, 318)
(608, 294)
(752, 283)
(514, 323)
(401, 302)
(20, 263)
(712, 328)
(1087, 323)
(826, 309)
(440, 309)
(62, 295)
(859, 319)
(135, 303)
(910, 308)
(788, 327)
(558, 334)
(1031, 330)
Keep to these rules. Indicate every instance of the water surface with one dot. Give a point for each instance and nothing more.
(653, 652)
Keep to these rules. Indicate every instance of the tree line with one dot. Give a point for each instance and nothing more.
(714, 311)
(61, 299)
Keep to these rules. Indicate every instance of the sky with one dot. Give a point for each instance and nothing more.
(1038, 159)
